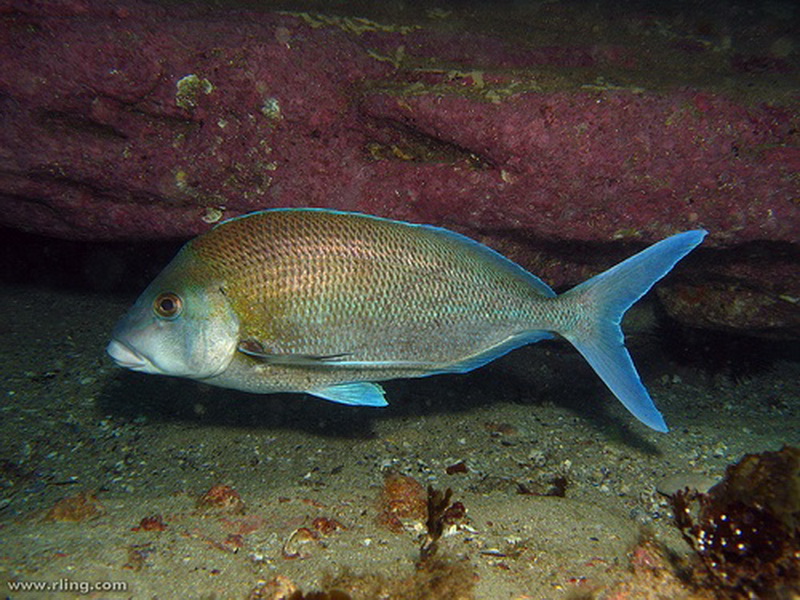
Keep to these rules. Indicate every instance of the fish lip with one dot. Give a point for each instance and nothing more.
(125, 356)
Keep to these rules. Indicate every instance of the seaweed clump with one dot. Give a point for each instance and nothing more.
(746, 530)
(434, 577)
(438, 503)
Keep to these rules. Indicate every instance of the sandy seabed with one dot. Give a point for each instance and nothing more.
(71, 422)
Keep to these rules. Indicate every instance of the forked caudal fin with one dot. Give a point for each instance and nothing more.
(603, 300)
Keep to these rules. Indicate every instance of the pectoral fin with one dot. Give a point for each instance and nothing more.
(354, 394)
(256, 350)
(342, 360)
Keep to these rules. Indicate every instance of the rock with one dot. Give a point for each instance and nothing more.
(134, 121)
(681, 480)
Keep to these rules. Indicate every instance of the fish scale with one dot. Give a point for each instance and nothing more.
(330, 302)
(364, 276)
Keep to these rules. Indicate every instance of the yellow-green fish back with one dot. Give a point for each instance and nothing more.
(313, 282)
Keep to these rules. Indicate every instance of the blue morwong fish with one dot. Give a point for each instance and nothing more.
(329, 302)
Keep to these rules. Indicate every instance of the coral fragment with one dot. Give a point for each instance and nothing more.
(222, 498)
(80, 507)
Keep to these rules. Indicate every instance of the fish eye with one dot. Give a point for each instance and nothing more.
(168, 305)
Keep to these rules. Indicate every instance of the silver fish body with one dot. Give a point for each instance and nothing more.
(328, 303)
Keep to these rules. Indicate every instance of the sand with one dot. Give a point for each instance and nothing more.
(72, 422)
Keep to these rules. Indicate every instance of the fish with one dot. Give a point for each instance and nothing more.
(330, 303)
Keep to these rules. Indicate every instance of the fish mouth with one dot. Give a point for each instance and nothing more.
(126, 357)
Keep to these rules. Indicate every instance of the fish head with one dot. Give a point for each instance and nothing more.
(182, 325)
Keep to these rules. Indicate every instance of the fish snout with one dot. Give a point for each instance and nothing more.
(126, 357)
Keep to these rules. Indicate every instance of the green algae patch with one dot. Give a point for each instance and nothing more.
(189, 89)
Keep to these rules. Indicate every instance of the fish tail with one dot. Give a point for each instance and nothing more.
(603, 300)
